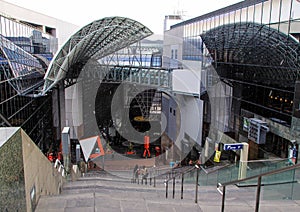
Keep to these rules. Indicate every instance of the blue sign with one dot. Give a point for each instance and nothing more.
(236, 146)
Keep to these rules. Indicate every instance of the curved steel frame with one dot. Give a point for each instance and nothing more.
(94, 41)
(270, 56)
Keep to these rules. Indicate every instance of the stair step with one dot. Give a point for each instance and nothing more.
(111, 193)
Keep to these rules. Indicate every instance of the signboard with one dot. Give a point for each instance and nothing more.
(65, 139)
(235, 146)
(257, 131)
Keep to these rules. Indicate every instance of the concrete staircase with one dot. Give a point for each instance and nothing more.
(105, 192)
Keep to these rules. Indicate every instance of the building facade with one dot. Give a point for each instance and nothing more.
(245, 58)
(28, 42)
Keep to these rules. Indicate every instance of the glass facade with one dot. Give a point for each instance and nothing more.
(25, 53)
(249, 54)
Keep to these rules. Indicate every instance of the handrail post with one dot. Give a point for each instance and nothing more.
(259, 179)
(166, 182)
(173, 187)
(223, 199)
(182, 179)
(154, 182)
(197, 180)
(258, 193)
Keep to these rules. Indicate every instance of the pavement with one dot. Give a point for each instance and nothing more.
(99, 191)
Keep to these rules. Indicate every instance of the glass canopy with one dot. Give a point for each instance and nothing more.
(94, 41)
(271, 57)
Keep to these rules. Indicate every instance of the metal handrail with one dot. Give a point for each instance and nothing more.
(154, 173)
(182, 173)
(215, 170)
(60, 168)
(259, 176)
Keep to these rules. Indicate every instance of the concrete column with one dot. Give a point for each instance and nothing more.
(58, 112)
(243, 161)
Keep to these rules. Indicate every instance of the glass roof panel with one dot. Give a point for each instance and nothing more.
(95, 40)
(262, 49)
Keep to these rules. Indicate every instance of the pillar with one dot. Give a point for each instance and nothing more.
(243, 161)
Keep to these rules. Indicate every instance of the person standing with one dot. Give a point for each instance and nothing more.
(135, 173)
(146, 146)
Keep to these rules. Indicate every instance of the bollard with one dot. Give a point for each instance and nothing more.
(166, 183)
(173, 187)
(182, 179)
(197, 180)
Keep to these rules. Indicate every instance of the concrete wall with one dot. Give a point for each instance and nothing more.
(12, 186)
(191, 116)
(25, 172)
(173, 40)
(74, 110)
(40, 176)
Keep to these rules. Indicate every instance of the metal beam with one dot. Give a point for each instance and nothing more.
(5, 120)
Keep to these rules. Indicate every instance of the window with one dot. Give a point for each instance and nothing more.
(192, 48)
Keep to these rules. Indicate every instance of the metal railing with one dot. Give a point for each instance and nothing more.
(229, 172)
(259, 184)
(181, 174)
(153, 174)
(60, 168)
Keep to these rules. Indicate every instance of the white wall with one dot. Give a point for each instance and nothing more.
(191, 117)
(74, 109)
(188, 79)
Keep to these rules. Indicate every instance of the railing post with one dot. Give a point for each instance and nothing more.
(182, 179)
(259, 179)
(173, 187)
(223, 198)
(154, 182)
(197, 180)
(166, 182)
(258, 194)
